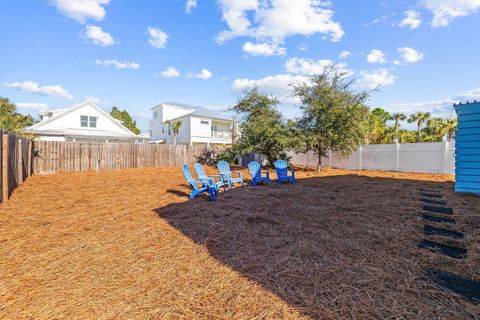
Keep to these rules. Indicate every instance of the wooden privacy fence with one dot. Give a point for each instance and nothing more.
(16, 157)
(56, 156)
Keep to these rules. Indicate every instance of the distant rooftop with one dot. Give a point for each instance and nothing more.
(200, 111)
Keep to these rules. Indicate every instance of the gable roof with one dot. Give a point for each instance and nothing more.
(198, 111)
(62, 112)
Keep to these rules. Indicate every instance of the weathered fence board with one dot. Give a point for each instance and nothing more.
(56, 156)
(15, 162)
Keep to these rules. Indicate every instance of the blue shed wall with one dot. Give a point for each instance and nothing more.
(467, 148)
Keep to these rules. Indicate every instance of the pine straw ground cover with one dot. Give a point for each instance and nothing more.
(126, 244)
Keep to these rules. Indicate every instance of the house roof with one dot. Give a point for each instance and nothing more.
(58, 113)
(199, 111)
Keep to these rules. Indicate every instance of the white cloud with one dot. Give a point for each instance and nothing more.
(117, 64)
(190, 5)
(275, 20)
(412, 20)
(98, 36)
(375, 79)
(204, 74)
(157, 38)
(277, 85)
(438, 108)
(376, 56)
(264, 49)
(81, 10)
(344, 54)
(33, 87)
(33, 106)
(409, 55)
(310, 67)
(444, 11)
(170, 72)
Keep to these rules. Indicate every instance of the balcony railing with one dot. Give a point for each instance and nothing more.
(221, 134)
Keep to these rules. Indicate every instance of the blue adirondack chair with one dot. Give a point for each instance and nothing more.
(197, 186)
(257, 174)
(211, 179)
(224, 170)
(283, 173)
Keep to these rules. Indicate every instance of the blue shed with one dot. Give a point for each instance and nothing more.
(467, 148)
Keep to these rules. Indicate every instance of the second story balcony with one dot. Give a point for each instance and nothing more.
(221, 134)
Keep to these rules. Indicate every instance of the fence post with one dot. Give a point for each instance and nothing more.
(444, 155)
(360, 160)
(397, 155)
(29, 158)
(20, 161)
(5, 167)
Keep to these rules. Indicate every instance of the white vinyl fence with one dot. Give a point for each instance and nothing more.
(435, 157)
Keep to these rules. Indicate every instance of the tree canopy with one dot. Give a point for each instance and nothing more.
(263, 129)
(126, 119)
(334, 116)
(11, 120)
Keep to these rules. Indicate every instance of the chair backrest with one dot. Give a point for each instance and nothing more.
(188, 176)
(254, 168)
(224, 168)
(281, 167)
(199, 170)
(186, 172)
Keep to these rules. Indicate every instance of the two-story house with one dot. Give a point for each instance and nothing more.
(85, 122)
(199, 125)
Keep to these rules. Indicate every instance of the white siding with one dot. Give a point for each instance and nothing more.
(71, 120)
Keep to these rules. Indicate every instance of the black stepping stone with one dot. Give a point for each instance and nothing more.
(438, 209)
(451, 251)
(467, 288)
(431, 195)
(438, 219)
(431, 201)
(430, 190)
(434, 231)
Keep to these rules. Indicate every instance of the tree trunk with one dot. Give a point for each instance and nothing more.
(319, 164)
(419, 133)
(174, 139)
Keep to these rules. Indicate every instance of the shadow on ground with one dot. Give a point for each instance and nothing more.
(331, 247)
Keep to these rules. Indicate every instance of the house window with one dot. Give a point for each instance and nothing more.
(155, 115)
(93, 122)
(204, 122)
(88, 121)
(84, 121)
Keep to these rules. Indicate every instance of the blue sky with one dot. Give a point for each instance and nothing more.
(422, 54)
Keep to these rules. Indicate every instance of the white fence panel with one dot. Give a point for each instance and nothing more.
(435, 157)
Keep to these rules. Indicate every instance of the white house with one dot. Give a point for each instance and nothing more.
(199, 125)
(83, 122)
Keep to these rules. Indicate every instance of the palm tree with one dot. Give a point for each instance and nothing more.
(175, 127)
(420, 118)
(437, 128)
(451, 128)
(397, 117)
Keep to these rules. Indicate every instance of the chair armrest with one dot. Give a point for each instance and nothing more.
(213, 176)
(239, 174)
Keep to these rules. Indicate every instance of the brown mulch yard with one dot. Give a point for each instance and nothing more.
(127, 245)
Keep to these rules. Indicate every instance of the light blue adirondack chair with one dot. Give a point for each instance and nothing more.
(211, 179)
(283, 173)
(257, 174)
(197, 186)
(224, 170)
